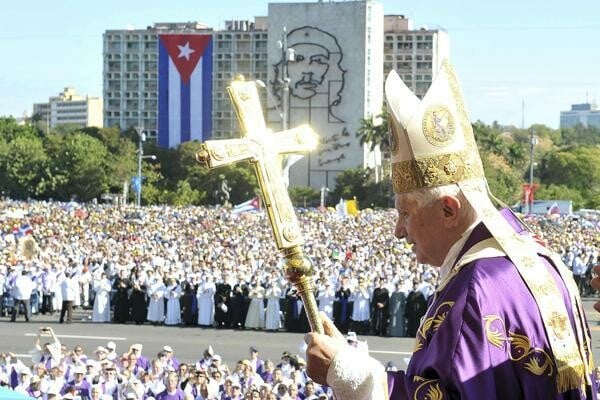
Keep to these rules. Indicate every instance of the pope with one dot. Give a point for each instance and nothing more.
(506, 321)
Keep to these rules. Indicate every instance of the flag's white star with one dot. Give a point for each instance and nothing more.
(185, 51)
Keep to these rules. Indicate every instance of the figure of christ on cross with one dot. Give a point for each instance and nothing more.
(264, 150)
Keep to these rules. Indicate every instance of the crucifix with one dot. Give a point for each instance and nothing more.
(264, 150)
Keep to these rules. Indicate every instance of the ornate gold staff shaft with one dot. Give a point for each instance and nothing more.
(263, 149)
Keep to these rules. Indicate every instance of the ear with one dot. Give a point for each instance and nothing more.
(451, 209)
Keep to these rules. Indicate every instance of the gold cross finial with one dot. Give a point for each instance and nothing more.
(264, 150)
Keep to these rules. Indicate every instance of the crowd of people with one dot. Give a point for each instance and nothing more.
(209, 267)
(108, 373)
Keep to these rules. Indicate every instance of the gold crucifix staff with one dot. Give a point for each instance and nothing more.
(264, 149)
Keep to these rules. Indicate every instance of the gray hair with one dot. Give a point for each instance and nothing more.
(426, 196)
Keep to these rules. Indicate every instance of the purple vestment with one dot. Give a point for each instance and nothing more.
(483, 338)
(178, 395)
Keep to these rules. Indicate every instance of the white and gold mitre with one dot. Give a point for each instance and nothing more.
(432, 138)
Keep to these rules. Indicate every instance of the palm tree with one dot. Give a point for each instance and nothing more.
(374, 130)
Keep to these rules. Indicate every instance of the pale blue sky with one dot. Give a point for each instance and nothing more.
(505, 52)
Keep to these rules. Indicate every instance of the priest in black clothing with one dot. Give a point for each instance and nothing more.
(239, 305)
(223, 305)
(416, 306)
(121, 301)
(380, 305)
(137, 298)
(342, 306)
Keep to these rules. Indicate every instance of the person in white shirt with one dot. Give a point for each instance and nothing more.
(102, 288)
(50, 355)
(206, 301)
(69, 288)
(326, 297)
(361, 312)
(22, 293)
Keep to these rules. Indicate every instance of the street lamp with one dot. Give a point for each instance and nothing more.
(288, 55)
(141, 156)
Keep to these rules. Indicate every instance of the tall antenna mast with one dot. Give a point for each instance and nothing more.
(523, 114)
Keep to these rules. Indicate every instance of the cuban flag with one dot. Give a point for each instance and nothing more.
(21, 231)
(184, 88)
(250, 205)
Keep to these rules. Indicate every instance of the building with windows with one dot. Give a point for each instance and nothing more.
(241, 48)
(69, 108)
(586, 114)
(331, 89)
(130, 74)
(416, 54)
(131, 71)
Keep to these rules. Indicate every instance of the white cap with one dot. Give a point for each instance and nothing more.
(168, 349)
(111, 345)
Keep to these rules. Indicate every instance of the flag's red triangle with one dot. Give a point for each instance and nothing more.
(177, 45)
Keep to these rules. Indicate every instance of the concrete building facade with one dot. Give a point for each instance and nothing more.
(416, 54)
(356, 40)
(334, 75)
(70, 108)
(586, 114)
(241, 48)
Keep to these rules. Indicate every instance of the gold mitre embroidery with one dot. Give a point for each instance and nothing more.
(432, 139)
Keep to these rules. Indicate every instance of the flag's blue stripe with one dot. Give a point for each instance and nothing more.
(207, 67)
(163, 95)
(185, 134)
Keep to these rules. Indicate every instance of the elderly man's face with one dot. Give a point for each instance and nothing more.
(423, 228)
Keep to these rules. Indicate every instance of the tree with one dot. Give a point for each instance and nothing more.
(374, 130)
(79, 165)
(23, 167)
(184, 195)
(351, 183)
(581, 135)
(504, 182)
(9, 129)
(489, 138)
(575, 167)
(304, 195)
(560, 192)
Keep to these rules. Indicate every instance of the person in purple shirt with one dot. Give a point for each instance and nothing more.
(142, 361)
(267, 373)
(34, 389)
(171, 360)
(506, 321)
(172, 392)
(78, 386)
(257, 363)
